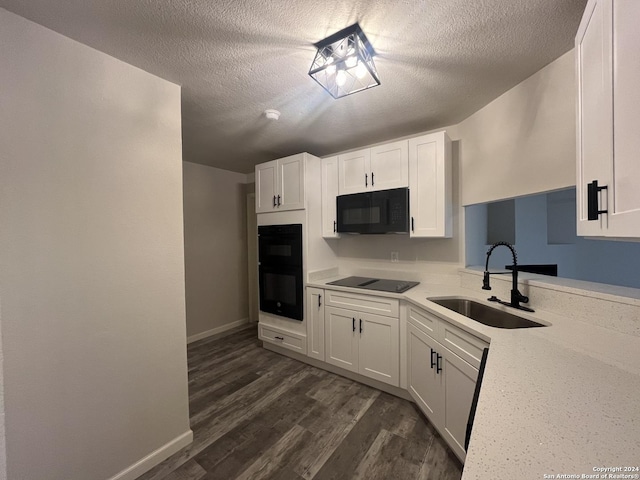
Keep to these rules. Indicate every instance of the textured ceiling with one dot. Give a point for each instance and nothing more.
(439, 61)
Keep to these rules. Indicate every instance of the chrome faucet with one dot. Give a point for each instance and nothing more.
(516, 296)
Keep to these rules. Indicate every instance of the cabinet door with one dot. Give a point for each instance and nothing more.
(266, 186)
(390, 166)
(595, 116)
(430, 185)
(379, 348)
(315, 323)
(329, 194)
(291, 182)
(624, 198)
(459, 385)
(424, 382)
(341, 338)
(354, 175)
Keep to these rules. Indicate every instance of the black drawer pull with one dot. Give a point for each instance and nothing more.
(353, 324)
(433, 362)
(279, 200)
(593, 209)
(365, 180)
(319, 301)
(274, 200)
(279, 338)
(334, 226)
(438, 367)
(372, 179)
(412, 225)
(360, 325)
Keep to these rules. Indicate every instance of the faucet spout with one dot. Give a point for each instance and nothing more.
(516, 296)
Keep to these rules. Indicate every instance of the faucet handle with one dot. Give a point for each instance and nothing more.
(485, 281)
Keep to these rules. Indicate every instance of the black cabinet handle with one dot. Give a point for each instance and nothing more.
(372, 179)
(279, 200)
(412, 225)
(334, 226)
(365, 180)
(353, 320)
(433, 362)
(319, 300)
(438, 367)
(360, 325)
(593, 210)
(274, 200)
(279, 338)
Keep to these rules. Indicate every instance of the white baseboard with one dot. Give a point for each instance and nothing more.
(217, 330)
(154, 458)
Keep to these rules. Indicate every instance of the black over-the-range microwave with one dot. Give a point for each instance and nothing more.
(384, 211)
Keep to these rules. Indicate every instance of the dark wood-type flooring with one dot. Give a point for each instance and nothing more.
(259, 415)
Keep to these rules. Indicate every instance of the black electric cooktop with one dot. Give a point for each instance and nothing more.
(380, 284)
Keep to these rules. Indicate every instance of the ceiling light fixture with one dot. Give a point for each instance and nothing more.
(344, 63)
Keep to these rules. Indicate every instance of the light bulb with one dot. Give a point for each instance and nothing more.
(341, 78)
(331, 69)
(361, 70)
(351, 61)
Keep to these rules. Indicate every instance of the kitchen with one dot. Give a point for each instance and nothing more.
(536, 115)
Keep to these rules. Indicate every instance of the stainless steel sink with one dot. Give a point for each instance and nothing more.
(484, 314)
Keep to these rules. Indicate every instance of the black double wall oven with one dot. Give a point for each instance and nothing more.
(280, 270)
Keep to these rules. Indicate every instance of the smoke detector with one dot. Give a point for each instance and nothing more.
(272, 114)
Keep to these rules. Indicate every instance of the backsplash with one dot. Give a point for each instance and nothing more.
(607, 306)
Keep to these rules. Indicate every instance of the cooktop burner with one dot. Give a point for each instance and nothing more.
(380, 284)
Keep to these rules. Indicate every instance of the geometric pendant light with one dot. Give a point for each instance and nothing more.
(344, 63)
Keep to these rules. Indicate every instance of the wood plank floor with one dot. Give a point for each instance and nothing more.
(259, 415)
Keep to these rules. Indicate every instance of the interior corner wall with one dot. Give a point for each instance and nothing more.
(91, 260)
(523, 142)
(215, 234)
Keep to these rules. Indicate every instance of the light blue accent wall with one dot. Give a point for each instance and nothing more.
(545, 233)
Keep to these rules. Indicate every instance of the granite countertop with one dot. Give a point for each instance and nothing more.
(558, 400)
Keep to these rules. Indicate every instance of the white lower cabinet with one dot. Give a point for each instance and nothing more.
(283, 338)
(341, 339)
(441, 383)
(315, 323)
(363, 343)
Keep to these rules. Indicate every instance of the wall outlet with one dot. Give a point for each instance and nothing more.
(394, 256)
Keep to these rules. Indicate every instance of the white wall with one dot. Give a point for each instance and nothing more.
(91, 260)
(524, 141)
(215, 243)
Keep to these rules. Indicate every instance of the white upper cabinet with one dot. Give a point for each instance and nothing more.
(608, 74)
(280, 184)
(430, 185)
(390, 166)
(266, 186)
(354, 171)
(377, 168)
(329, 193)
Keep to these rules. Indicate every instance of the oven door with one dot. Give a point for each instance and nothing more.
(281, 290)
(280, 244)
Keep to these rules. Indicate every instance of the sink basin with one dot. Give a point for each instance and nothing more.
(484, 314)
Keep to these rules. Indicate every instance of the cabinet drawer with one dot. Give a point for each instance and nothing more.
(388, 307)
(290, 340)
(462, 343)
(424, 321)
